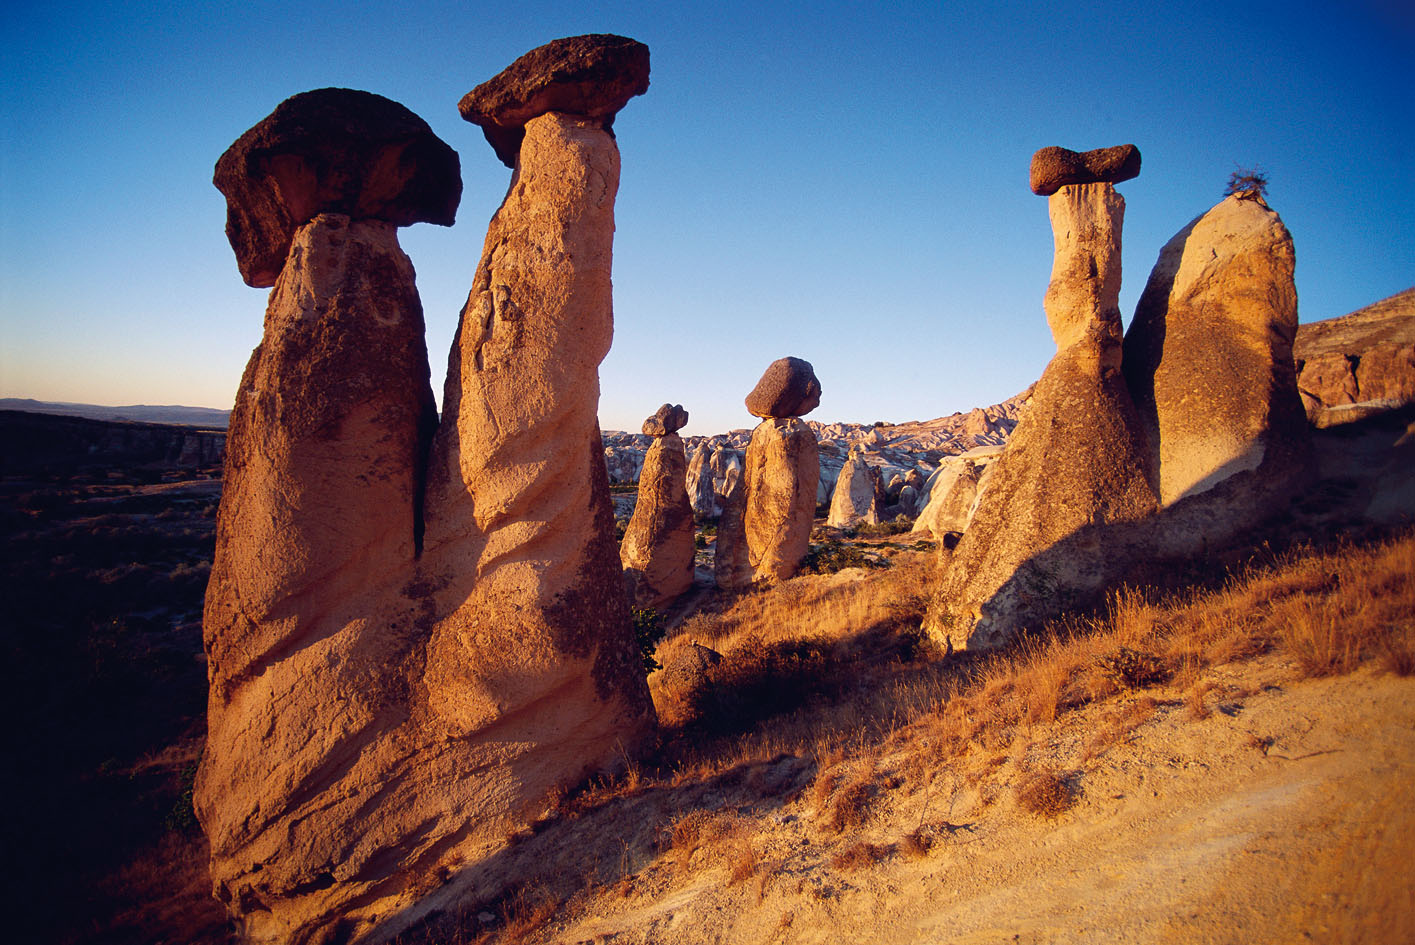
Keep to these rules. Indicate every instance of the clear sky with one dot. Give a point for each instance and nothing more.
(841, 182)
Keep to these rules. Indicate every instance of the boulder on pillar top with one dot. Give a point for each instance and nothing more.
(1053, 168)
(670, 418)
(593, 76)
(788, 388)
(331, 151)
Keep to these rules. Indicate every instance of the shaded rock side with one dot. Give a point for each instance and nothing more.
(1208, 358)
(1358, 365)
(1045, 533)
(854, 499)
(782, 465)
(331, 151)
(731, 567)
(699, 483)
(657, 550)
(312, 651)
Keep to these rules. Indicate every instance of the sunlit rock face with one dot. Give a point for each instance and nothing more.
(415, 632)
(1209, 360)
(1041, 538)
(657, 549)
(853, 500)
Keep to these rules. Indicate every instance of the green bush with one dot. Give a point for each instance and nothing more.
(831, 556)
(648, 630)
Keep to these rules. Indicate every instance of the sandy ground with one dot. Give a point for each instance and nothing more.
(1284, 816)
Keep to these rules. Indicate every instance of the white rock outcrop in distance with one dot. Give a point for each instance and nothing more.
(854, 500)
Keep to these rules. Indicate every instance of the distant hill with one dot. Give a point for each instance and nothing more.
(208, 417)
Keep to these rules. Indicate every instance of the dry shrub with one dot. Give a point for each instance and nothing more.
(700, 829)
(526, 910)
(1046, 794)
(861, 854)
(916, 843)
(1133, 669)
(851, 806)
(742, 861)
(1194, 700)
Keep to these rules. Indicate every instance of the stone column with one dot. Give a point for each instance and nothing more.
(657, 550)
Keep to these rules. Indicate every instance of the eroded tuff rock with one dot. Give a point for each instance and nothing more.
(779, 481)
(854, 499)
(670, 418)
(657, 550)
(699, 483)
(379, 720)
(951, 498)
(331, 151)
(1209, 361)
(788, 388)
(592, 76)
(1074, 466)
(1054, 168)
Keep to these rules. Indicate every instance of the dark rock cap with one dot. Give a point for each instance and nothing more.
(788, 388)
(670, 418)
(331, 151)
(1054, 168)
(593, 75)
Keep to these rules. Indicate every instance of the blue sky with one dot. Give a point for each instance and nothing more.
(836, 181)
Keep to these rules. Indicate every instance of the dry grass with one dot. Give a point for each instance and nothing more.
(1046, 794)
(860, 855)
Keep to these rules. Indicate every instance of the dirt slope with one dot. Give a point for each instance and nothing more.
(1280, 817)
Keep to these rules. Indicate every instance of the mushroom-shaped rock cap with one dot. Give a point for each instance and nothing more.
(593, 75)
(1054, 168)
(670, 418)
(331, 151)
(788, 388)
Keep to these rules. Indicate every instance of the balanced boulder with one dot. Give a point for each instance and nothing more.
(1054, 168)
(331, 151)
(670, 418)
(590, 76)
(788, 388)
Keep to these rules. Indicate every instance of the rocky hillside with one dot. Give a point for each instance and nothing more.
(1358, 364)
(34, 442)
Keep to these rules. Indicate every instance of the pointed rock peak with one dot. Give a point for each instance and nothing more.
(670, 418)
(592, 75)
(331, 151)
(1054, 168)
(788, 388)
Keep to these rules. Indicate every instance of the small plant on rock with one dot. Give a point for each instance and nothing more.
(1247, 184)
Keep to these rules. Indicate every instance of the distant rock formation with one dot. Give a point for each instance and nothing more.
(1208, 358)
(952, 496)
(699, 484)
(657, 549)
(1076, 462)
(41, 442)
(408, 646)
(1358, 365)
(854, 499)
(780, 475)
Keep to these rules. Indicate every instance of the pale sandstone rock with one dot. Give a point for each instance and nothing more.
(951, 501)
(780, 496)
(908, 501)
(854, 499)
(699, 484)
(1208, 358)
(1075, 465)
(380, 721)
(657, 550)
